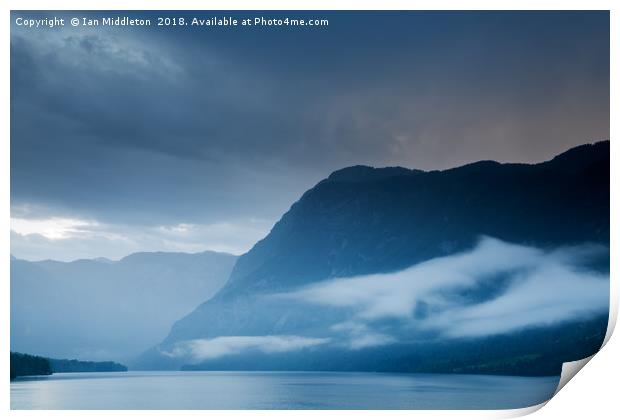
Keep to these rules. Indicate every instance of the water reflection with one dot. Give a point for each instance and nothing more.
(277, 390)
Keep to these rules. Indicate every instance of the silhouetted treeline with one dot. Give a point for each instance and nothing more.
(64, 365)
(27, 365)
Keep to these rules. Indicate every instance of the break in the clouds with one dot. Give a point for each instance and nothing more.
(71, 239)
(205, 349)
(540, 287)
(144, 126)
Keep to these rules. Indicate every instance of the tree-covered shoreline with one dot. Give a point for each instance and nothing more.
(29, 365)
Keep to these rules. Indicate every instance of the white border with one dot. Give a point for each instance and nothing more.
(595, 387)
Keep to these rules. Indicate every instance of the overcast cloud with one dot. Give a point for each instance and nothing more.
(140, 130)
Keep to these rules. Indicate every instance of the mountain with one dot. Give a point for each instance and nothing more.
(363, 221)
(108, 310)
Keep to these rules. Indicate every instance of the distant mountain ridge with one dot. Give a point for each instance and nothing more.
(98, 309)
(361, 220)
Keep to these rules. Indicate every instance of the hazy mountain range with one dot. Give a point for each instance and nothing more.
(489, 267)
(99, 309)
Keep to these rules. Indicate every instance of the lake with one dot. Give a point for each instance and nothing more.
(277, 390)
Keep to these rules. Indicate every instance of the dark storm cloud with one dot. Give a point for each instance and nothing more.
(165, 126)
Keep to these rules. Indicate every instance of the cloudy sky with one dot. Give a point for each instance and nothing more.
(130, 139)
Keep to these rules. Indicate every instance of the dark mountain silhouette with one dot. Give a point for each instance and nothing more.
(363, 220)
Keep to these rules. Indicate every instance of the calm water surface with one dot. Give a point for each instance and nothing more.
(277, 390)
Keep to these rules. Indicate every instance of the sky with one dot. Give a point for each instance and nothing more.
(128, 139)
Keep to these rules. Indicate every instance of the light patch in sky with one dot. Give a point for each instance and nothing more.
(68, 239)
(53, 228)
(213, 348)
